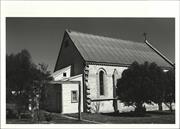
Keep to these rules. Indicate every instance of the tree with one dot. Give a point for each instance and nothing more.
(158, 88)
(133, 88)
(170, 89)
(146, 83)
(18, 77)
(25, 79)
(41, 77)
(163, 88)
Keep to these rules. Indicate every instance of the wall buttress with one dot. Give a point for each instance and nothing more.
(87, 89)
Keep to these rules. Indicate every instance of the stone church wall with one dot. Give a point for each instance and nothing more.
(93, 79)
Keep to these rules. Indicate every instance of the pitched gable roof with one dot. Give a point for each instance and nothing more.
(102, 49)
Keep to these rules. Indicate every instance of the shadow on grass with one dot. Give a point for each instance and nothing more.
(135, 114)
(126, 114)
(161, 112)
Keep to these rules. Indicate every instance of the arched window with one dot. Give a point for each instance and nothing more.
(101, 82)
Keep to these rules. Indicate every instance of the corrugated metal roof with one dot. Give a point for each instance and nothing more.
(99, 49)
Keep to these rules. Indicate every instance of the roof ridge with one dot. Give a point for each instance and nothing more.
(69, 31)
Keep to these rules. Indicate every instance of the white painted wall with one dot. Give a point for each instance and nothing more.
(67, 105)
(58, 75)
(79, 78)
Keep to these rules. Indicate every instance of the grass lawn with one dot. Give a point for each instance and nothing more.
(57, 118)
(150, 117)
(164, 117)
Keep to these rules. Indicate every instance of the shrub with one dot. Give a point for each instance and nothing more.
(48, 117)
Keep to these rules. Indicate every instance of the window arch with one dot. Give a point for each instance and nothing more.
(101, 82)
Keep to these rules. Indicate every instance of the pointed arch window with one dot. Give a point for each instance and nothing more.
(101, 82)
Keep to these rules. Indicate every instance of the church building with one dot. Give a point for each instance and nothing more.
(87, 69)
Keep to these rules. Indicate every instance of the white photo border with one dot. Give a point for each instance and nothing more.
(139, 9)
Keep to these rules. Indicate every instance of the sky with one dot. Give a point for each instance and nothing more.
(42, 37)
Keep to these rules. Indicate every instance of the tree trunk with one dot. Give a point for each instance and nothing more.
(115, 106)
(160, 106)
(139, 108)
(19, 116)
(170, 107)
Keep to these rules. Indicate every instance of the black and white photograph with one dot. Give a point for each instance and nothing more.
(90, 70)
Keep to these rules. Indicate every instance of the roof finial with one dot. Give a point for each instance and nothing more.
(68, 30)
(145, 36)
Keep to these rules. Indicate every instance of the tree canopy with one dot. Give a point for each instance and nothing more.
(23, 77)
(145, 83)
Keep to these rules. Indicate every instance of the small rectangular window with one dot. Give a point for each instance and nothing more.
(64, 74)
(74, 96)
